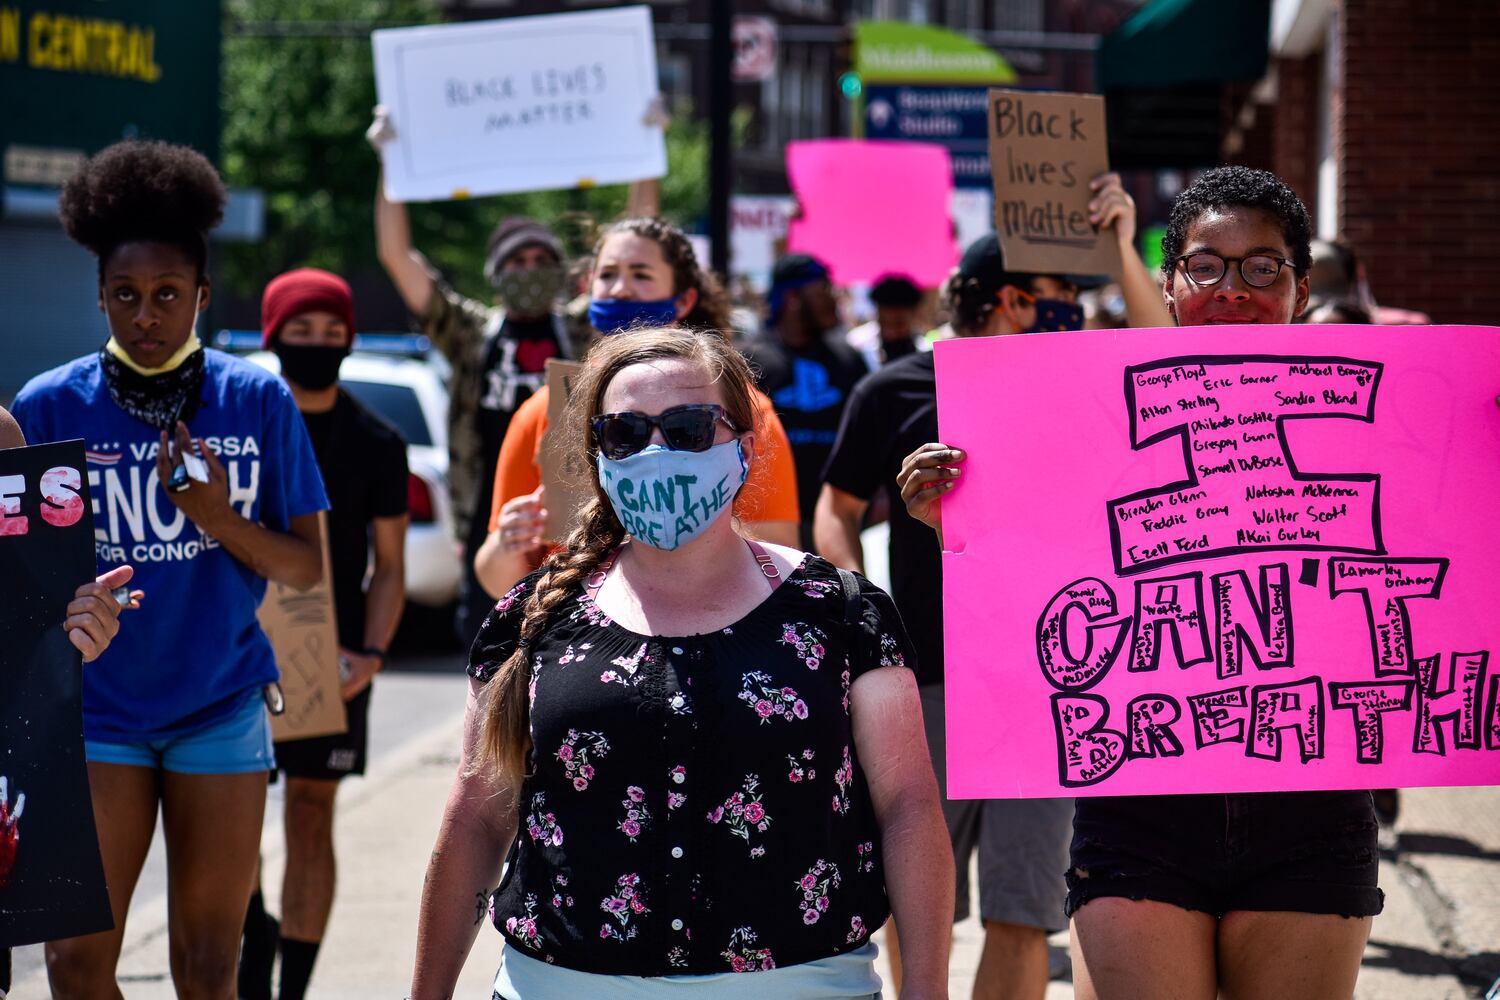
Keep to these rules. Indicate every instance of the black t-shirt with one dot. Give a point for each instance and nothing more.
(515, 366)
(889, 415)
(809, 388)
(363, 462)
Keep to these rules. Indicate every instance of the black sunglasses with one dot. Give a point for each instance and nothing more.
(686, 428)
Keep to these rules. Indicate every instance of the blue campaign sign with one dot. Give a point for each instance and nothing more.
(955, 117)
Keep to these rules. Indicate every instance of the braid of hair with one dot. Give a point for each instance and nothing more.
(507, 722)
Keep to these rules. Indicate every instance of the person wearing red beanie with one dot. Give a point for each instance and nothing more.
(307, 318)
(305, 290)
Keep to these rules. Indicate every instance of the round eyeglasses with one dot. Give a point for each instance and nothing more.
(1257, 270)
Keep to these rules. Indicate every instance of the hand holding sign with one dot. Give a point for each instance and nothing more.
(523, 520)
(1113, 209)
(93, 615)
(926, 474)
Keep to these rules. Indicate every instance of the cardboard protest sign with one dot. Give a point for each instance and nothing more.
(563, 470)
(873, 208)
(1230, 559)
(304, 633)
(1045, 148)
(51, 879)
(519, 104)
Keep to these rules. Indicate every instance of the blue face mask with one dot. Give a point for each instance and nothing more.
(612, 316)
(1054, 315)
(666, 498)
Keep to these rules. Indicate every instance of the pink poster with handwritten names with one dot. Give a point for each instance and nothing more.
(1222, 560)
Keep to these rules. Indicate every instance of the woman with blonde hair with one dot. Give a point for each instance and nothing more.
(703, 755)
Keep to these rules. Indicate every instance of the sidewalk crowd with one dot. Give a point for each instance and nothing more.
(693, 755)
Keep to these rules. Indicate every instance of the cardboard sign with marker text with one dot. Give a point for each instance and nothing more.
(303, 632)
(1045, 148)
(565, 475)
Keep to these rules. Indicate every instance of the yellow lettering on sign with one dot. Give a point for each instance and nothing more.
(10, 34)
(86, 45)
(35, 53)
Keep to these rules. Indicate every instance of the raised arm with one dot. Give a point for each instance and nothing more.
(478, 825)
(643, 201)
(407, 268)
(1113, 208)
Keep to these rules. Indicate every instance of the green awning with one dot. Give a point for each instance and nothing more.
(1170, 42)
(897, 52)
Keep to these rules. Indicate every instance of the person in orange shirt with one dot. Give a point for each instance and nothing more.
(645, 275)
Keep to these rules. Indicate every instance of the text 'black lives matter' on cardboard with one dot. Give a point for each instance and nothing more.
(51, 879)
(1045, 148)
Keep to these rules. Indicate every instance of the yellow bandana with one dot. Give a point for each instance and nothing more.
(192, 344)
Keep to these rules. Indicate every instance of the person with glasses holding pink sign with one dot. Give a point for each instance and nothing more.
(1268, 895)
(703, 754)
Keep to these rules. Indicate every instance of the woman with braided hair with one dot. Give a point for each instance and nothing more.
(703, 755)
(645, 275)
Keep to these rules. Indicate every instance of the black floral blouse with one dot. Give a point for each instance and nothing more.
(695, 804)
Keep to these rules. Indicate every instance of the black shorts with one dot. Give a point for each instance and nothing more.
(331, 757)
(1298, 852)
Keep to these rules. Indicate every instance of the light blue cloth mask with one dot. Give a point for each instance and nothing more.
(666, 498)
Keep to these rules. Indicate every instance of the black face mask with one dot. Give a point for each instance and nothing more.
(311, 367)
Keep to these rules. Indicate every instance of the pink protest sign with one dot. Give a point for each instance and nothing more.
(873, 208)
(1222, 559)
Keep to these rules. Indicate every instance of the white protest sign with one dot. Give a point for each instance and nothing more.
(757, 235)
(519, 104)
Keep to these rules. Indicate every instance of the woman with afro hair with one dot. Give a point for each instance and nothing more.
(204, 480)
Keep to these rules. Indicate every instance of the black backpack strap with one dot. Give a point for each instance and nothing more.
(850, 584)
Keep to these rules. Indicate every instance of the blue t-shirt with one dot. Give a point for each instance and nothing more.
(194, 650)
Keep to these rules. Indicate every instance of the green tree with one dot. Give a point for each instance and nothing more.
(299, 85)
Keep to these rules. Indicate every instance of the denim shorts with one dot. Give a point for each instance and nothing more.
(1297, 852)
(237, 744)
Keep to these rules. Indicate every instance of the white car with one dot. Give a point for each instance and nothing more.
(411, 395)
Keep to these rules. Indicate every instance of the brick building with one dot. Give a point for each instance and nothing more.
(1380, 113)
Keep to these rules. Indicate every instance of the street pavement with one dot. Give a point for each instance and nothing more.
(1438, 939)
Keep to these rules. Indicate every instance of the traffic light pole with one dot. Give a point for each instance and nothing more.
(720, 107)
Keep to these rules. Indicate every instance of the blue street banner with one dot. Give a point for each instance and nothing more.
(954, 117)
